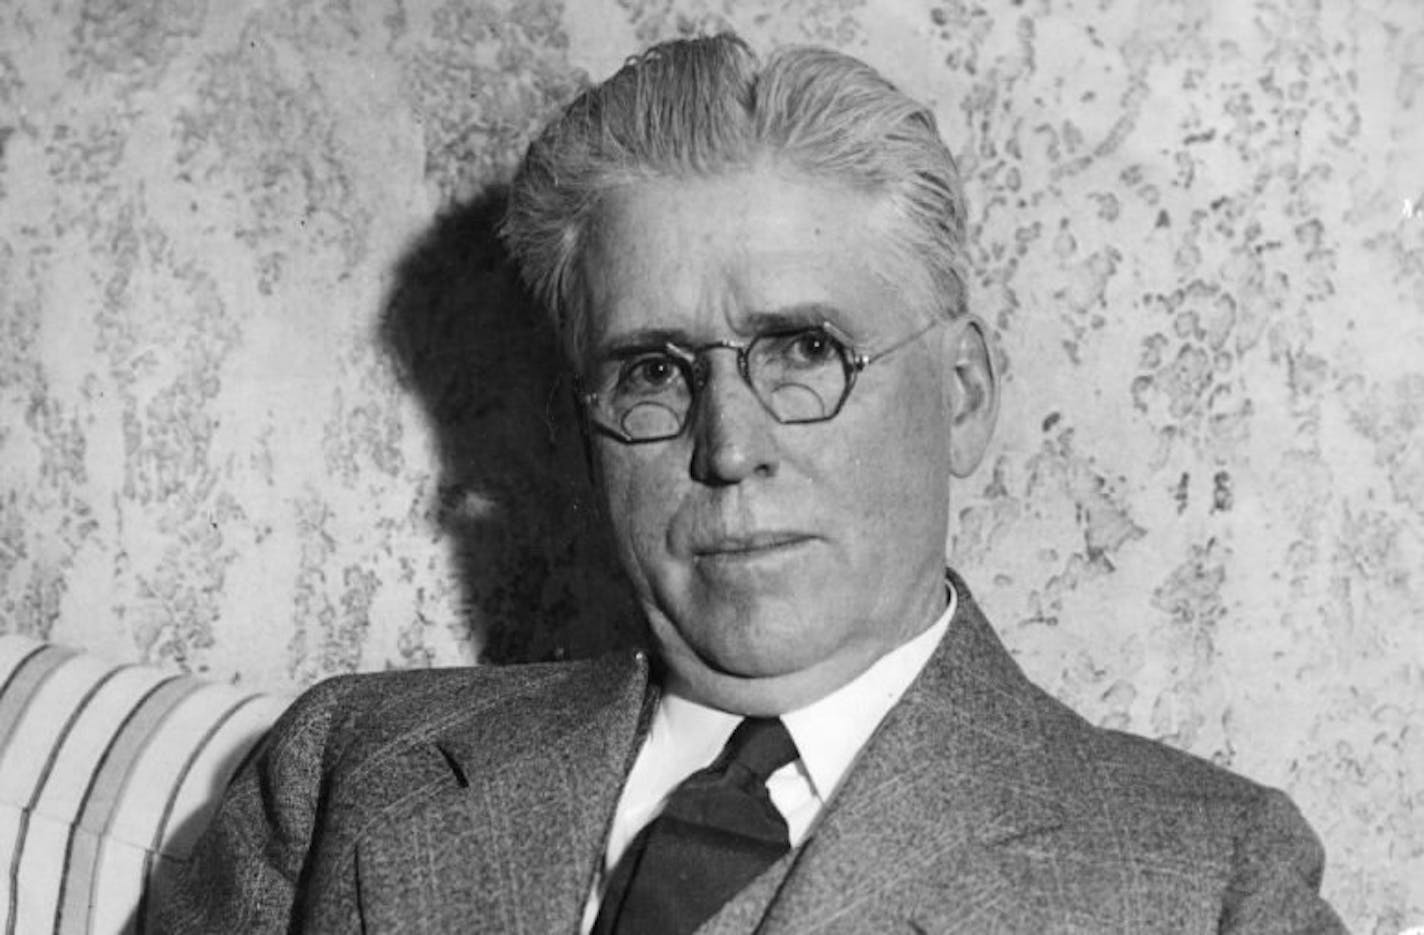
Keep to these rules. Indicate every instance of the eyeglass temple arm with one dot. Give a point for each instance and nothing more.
(862, 361)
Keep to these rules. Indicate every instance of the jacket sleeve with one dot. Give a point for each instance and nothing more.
(247, 870)
(1278, 867)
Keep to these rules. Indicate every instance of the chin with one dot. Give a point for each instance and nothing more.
(762, 641)
(757, 676)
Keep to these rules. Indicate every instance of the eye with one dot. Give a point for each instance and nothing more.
(648, 373)
(813, 346)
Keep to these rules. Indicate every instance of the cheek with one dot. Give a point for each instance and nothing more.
(894, 490)
(640, 501)
(899, 471)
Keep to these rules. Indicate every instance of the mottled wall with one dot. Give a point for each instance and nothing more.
(271, 409)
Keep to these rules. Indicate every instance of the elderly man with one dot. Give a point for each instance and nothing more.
(756, 269)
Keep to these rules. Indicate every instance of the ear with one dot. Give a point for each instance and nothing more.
(973, 393)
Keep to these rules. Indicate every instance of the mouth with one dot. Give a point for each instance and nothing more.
(754, 545)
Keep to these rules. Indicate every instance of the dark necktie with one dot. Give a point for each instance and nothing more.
(718, 832)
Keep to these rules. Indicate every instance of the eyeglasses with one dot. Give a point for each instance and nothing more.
(799, 375)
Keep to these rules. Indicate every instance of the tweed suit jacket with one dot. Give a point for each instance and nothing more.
(478, 800)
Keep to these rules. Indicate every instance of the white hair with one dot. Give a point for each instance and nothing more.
(700, 107)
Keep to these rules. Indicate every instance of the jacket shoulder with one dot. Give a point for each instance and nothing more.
(348, 717)
(1154, 768)
(278, 848)
(1179, 817)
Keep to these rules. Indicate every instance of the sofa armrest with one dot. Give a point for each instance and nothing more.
(107, 773)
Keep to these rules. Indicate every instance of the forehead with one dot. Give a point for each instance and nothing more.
(706, 257)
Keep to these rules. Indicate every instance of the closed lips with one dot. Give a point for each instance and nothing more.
(756, 542)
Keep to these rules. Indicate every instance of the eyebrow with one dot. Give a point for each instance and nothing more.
(804, 315)
(787, 318)
(639, 340)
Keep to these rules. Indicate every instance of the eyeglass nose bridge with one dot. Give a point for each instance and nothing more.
(702, 369)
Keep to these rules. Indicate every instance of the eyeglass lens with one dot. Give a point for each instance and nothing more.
(800, 376)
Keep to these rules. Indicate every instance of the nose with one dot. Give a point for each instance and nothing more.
(732, 434)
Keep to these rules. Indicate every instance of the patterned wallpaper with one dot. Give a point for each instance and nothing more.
(271, 407)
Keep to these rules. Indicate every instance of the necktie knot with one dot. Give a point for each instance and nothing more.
(760, 745)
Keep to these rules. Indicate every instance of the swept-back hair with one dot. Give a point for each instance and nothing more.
(700, 107)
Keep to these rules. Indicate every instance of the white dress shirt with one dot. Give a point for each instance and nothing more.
(685, 736)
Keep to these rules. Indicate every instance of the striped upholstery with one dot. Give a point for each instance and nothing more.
(107, 774)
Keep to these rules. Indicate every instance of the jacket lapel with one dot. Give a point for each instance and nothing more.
(922, 832)
(509, 808)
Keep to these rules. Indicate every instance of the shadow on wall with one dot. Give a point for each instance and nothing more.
(534, 555)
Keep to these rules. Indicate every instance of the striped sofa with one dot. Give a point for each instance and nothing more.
(107, 774)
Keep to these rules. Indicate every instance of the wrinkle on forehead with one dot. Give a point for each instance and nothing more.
(695, 254)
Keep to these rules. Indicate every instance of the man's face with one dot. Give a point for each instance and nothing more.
(775, 562)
